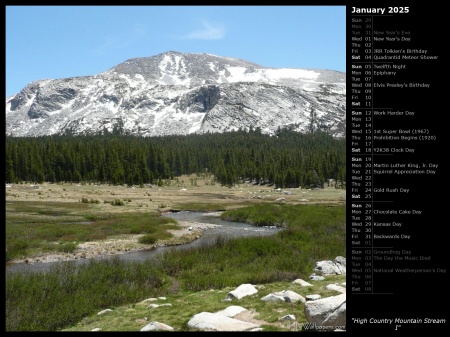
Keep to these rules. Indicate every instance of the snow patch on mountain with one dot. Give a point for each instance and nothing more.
(176, 93)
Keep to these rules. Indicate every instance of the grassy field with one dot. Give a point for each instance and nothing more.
(176, 310)
(60, 218)
(186, 192)
(48, 222)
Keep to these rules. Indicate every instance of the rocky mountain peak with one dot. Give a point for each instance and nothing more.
(181, 93)
(172, 68)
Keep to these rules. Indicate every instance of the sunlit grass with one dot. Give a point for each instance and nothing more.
(194, 280)
(30, 228)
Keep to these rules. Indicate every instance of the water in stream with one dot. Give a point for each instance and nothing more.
(226, 230)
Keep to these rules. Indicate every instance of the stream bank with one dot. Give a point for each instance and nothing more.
(198, 228)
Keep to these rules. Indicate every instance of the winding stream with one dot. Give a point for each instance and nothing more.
(227, 229)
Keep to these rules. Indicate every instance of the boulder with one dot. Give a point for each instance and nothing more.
(217, 322)
(303, 283)
(335, 267)
(273, 298)
(312, 297)
(293, 297)
(315, 277)
(231, 311)
(337, 287)
(157, 326)
(104, 311)
(242, 291)
(328, 311)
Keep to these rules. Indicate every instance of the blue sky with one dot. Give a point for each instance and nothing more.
(48, 42)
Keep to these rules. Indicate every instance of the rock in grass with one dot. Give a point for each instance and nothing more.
(104, 311)
(242, 291)
(157, 326)
(217, 322)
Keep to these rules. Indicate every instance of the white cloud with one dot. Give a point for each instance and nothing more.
(208, 32)
(124, 40)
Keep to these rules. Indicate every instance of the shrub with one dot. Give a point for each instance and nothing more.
(68, 247)
(117, 202)
(89, 201)
(148, 239)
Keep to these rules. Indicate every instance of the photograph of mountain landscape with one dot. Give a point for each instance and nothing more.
(175, 168)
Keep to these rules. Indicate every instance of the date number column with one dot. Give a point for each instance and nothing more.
(361, 220)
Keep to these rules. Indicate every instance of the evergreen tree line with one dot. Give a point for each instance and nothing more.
(289, 159)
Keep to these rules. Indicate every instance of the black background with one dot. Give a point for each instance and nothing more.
(408, 295)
